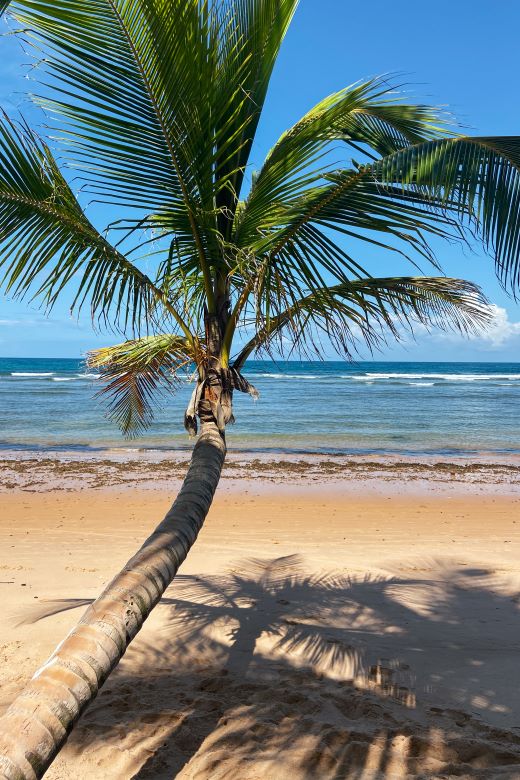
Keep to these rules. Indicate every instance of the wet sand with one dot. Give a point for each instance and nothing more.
(41, 472)
(349, 629)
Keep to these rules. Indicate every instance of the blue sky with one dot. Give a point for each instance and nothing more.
(463, 55)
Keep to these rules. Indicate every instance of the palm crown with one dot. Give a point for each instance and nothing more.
(158, 103)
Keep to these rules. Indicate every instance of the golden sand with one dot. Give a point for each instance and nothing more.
(312, 633)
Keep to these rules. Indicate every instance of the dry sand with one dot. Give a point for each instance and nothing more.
(312, 633)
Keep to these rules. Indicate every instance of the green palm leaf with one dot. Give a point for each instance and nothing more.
(47, 243)
(369, 113)
(158, 102)
(476, 179)
(161, 100)
(136, 373)
(368, 311)
(251, 34)
(101, 60)
(125, 77)
(436, 187)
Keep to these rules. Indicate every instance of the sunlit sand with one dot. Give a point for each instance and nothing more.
(312, 632)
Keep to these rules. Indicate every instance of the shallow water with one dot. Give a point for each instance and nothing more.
(330, 407)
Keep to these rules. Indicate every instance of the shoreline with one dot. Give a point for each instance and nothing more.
(181, 445)
(44, 472)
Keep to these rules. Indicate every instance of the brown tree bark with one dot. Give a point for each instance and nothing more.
(37, 724)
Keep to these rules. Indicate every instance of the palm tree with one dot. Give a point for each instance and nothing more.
(157, 104)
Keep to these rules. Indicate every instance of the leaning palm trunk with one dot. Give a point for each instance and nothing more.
(37, 724)
(158, 106)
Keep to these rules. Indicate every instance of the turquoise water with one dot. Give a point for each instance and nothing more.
(329, 407)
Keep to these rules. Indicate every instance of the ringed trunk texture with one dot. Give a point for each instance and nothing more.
(37, 724)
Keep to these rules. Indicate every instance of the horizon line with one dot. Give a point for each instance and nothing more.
(318, 361)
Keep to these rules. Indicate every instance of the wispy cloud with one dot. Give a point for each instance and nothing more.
(500, 331)
(26, 322)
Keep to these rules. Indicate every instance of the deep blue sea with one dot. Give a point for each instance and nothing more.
(328, 407)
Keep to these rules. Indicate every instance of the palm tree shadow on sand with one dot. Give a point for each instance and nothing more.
(273, 672)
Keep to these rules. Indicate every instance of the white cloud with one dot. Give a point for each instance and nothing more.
(26, 322)
(501, 333)
(501, 330)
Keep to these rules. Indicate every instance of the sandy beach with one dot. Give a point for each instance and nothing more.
(250, 243)
(318, 629)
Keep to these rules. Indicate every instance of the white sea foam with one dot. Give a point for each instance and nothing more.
(448, 377)
(422, 384)
(283, 376)
(62, 379)
(87, 376)
(32, 373)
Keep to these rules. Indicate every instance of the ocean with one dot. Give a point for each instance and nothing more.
(406, 409)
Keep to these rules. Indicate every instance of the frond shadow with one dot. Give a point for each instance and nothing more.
(272, 671)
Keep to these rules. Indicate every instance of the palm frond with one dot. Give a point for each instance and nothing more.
(158, 103)
(301, 255)
(441, 188)
(354, 204)
(125, 79)
(251, 34)
(476, 179)
(96, 57)
(367, 311)
(370, 113)
(47, 243)
(136, 373)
